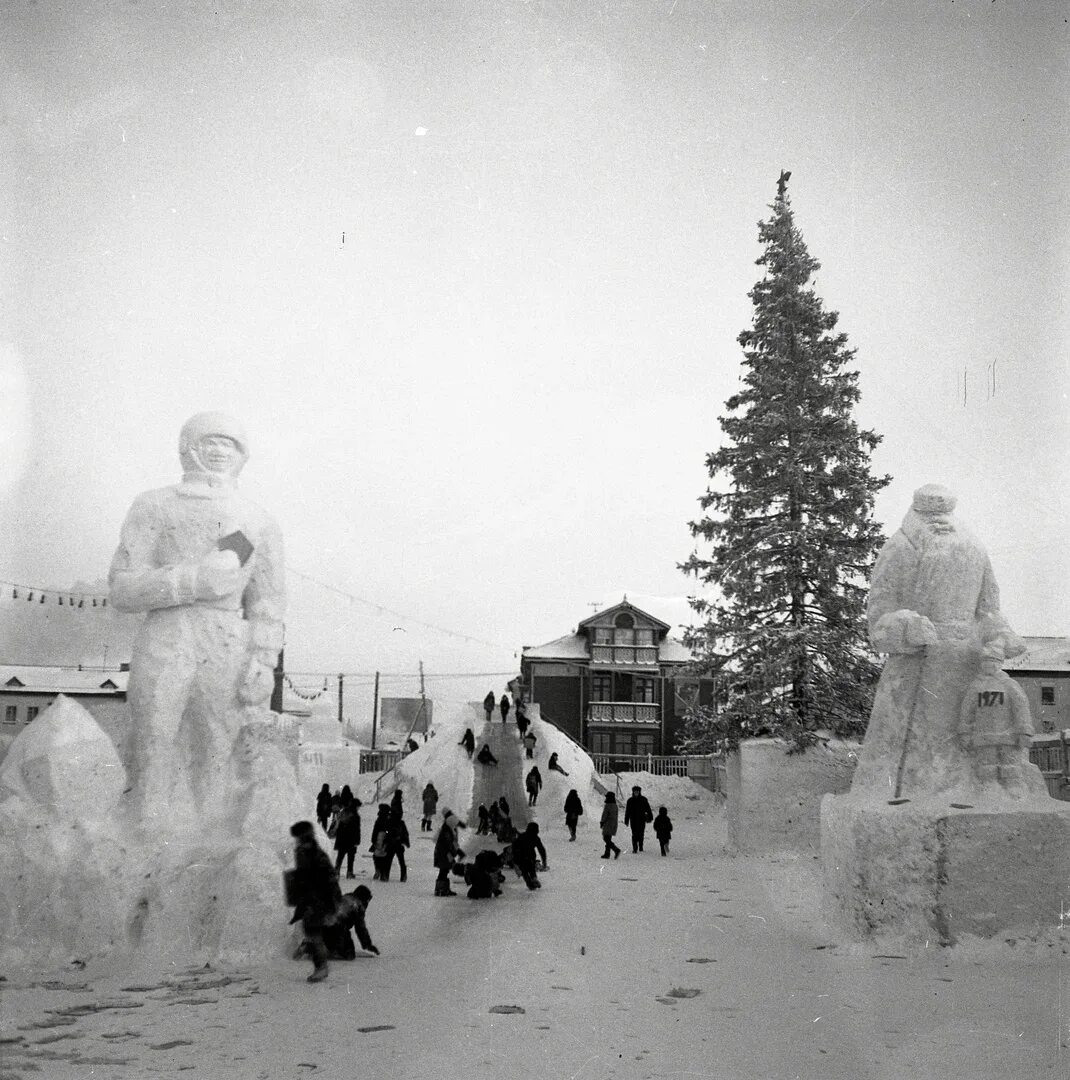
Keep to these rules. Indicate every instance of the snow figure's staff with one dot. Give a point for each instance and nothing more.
(918, 685)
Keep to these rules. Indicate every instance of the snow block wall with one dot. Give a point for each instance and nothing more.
(774, 798)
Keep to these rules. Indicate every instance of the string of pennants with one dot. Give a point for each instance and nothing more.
(35, 594)
(303, 695)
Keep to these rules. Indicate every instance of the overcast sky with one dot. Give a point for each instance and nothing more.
(472, 275)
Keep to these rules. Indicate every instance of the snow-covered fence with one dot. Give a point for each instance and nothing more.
(675, 765)
(379, 760)
(1051, 754)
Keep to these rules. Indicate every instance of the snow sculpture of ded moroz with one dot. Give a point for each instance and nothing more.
(933, 609)
(206, 564)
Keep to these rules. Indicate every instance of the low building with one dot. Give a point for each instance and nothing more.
(617, 685)
(1043, 672)
(26, 690)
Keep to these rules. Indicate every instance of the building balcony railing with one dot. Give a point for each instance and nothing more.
(646, 655)
(622, 712)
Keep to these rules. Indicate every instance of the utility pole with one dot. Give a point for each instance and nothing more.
(341, 692)
(375, 709)
(423, 699)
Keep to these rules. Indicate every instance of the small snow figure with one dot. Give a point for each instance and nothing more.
(554, 765)
(485, 757)
(468, 741)
(663, 829)
(488, 704)
(608, 822)
(314, 893)
(637, 813)
(994, 724)
(573, 812)
(529, 744)
(533, 782)
(504, 706)
(447, 852)
(527, 851)
(430, 797)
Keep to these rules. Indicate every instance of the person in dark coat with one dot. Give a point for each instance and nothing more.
(347, 836)
(608, 823)
(637, 813)
(323, 806)
(527, 851)
(468, 741)
(503, 805)
(504, 706)
(382, 855)
(533, 782)
(555, 765)
(488, 704)
(484, 875)
(346, 796)
(484, 821)
(663, 829)
(430, 798)
(447, 852)
(315, 893)
(573, 812)
(485, 756)
(529, 744)
(398, 840)
(352, 916)
(522, 723)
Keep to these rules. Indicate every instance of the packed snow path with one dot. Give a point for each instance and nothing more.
(698, 965)
(506, 778)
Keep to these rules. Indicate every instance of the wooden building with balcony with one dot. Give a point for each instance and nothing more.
(617, 685)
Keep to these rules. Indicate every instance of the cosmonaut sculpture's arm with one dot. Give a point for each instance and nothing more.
(264, 606)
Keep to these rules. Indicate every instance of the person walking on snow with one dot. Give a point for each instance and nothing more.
(315, 892)
(347, 836)
(608, 823)
(382, 856)
(663, 829)
(323, 806)
(430, 797)
(533, 782)
(398, 838)
(522, 724)
(468, 741)
(637, 813)
(527, 851)
(529, 744)
(488, 704)
(447, 852)
(573, 812)
(504, 708)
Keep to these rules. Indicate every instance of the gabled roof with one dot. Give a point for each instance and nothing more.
(569, 647)
(62, 680)
(1043, 654)
(631, 609)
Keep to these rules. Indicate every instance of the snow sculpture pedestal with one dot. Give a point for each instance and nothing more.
(925, 870)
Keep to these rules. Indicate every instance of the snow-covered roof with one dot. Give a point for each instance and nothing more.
(16, 678)
(624, 605)
(575, 647)
(1044, 654)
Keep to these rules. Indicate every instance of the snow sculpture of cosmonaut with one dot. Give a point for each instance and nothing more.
(206, 564)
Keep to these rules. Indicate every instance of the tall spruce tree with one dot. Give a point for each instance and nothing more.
(792, 533)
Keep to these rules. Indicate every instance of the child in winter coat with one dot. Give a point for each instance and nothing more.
(382, 856)
(323, 806)
(573, 812)
(529, 744)
(608, 822)
(447, 852)
(398, 840)
(430, 798)
(347, 836)
(351, 913)
(555, 765)
(663, 829)
(533, 783)
(484, 820)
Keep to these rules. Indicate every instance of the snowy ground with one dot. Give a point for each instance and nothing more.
(694, 965)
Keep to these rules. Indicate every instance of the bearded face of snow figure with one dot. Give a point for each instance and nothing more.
(929, 521)
(214, 445)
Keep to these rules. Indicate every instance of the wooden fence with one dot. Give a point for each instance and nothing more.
(1051, 754)
(707, 770)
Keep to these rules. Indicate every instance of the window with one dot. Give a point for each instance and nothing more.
(31, 712)
(11, 714)
(601, 687)
(624, 621)
(603, 635)
(644, 691)
(644, 637)
(601, 742)
(1047, 695)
